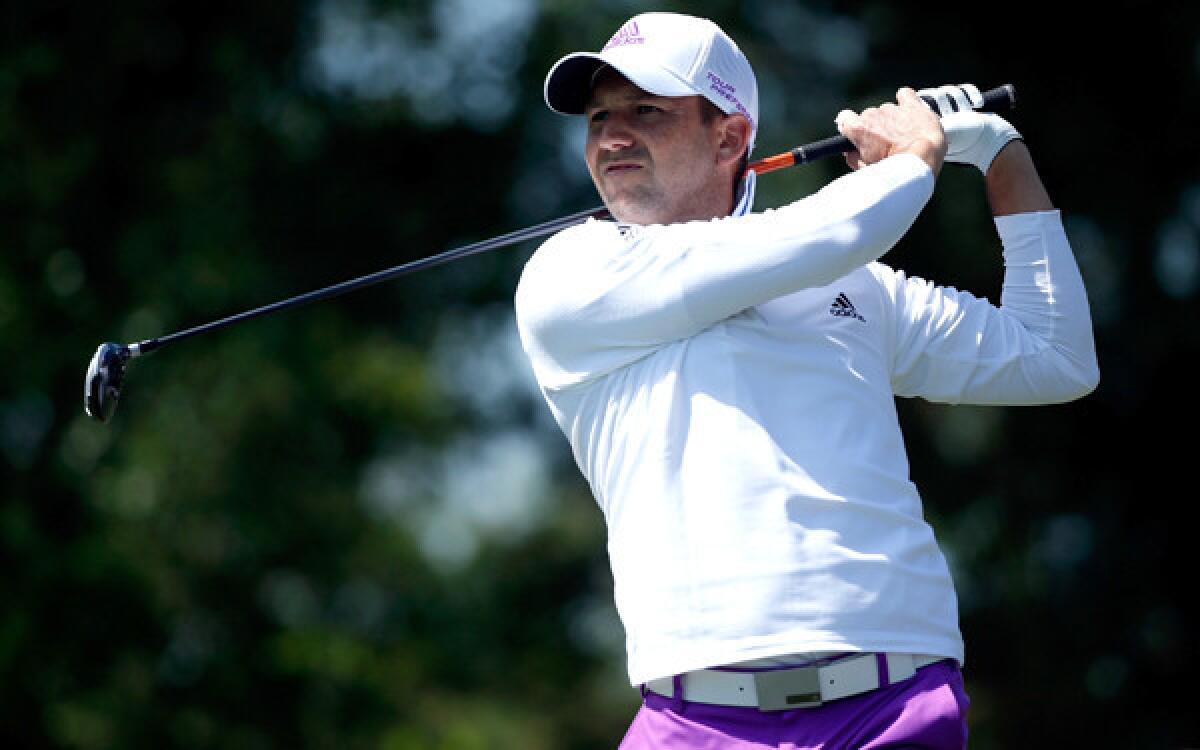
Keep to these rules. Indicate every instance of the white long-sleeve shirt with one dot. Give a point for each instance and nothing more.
(727, 388)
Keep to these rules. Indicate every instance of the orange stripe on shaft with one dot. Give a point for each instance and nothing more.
(772, 163)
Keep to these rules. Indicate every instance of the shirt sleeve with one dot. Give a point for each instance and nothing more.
(1035, 348)
(593, 298)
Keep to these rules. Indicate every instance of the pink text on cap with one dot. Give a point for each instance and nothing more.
(728, 91)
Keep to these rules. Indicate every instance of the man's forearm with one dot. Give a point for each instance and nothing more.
(1013, 184)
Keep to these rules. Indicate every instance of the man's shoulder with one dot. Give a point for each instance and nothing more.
(563, 256)
(589, 231)
(578, 246)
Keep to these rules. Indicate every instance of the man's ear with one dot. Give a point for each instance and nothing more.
(735, 138)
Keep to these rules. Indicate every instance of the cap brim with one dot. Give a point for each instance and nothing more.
(569, 83)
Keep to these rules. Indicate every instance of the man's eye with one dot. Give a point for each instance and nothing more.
(598, 116)
(647, 109)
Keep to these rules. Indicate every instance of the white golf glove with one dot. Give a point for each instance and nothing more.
(971, 137)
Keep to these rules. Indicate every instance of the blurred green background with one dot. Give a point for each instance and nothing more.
(354, 525)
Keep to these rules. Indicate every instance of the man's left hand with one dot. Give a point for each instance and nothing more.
(971, 137)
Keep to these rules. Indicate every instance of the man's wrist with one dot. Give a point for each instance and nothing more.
(1013, 183)
(933, 154)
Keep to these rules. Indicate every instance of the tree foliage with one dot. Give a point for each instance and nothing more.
(354, 525)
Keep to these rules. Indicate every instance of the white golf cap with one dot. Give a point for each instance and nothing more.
(667, 54)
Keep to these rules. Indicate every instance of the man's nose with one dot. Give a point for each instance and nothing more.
(615, 134)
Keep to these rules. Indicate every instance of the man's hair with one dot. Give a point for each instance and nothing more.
(708, 113)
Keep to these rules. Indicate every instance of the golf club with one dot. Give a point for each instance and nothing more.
(106, 372)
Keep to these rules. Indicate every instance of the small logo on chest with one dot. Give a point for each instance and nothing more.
(842, 307)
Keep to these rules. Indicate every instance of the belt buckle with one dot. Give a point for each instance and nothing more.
(783, 689)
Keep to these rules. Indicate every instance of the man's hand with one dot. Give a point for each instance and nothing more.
(906, 127)
(971, 137)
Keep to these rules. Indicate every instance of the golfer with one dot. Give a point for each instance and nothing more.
(726, 380)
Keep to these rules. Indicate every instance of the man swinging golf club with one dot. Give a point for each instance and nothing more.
(726, 380)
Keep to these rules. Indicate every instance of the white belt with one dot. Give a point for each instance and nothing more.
(795, 687)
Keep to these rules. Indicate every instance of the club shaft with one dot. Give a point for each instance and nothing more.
(512, 238)
(994, 100)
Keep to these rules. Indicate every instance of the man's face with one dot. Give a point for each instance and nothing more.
(654, 159)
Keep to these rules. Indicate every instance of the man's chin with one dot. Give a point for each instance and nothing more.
(629, 211)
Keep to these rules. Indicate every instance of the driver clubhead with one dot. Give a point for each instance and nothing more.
(102, 385)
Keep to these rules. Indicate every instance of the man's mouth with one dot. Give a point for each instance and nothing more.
(621, 167)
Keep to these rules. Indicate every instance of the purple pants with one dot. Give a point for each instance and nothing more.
(928, 710)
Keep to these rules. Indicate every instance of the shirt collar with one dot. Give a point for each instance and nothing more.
(745, 194)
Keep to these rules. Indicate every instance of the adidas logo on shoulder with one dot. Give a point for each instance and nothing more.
(844, 308)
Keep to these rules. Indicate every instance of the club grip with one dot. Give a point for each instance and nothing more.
(999, 99)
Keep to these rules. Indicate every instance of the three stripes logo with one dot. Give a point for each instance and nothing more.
(627, 34)
(844, 308)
